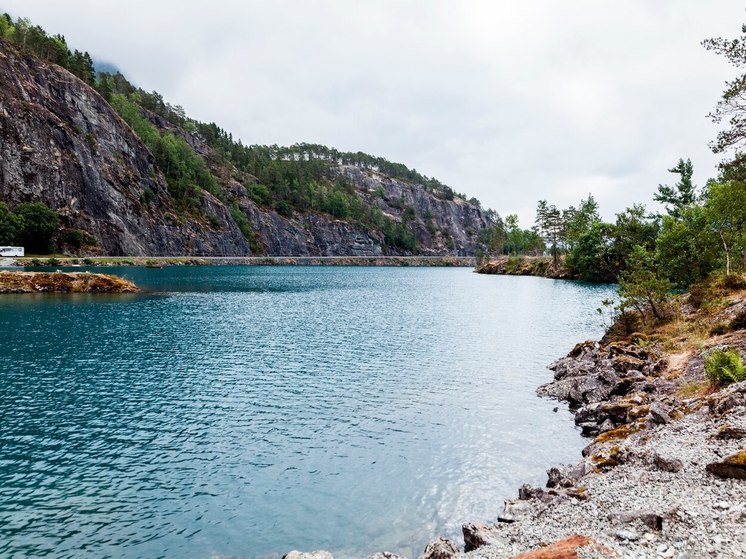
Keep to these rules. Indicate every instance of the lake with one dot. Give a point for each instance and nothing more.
(248, 411)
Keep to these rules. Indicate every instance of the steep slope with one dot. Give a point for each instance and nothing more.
(61, 143)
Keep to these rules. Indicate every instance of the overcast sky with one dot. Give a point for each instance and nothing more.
(507, 101)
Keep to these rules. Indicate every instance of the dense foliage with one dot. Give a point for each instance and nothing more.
(31, 225)
(724, 366)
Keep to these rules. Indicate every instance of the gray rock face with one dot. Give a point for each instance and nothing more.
(62, 144)
(478, 535)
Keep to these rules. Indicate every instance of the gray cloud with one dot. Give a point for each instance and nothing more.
(509, 102)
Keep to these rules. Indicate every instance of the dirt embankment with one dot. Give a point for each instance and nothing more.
(63, 282)
(540, 266)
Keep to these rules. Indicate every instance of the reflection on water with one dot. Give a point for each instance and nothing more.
(246, 411)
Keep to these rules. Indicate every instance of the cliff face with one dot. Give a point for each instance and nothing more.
(62, 144)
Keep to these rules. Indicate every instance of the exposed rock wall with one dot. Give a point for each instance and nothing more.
(62, 144)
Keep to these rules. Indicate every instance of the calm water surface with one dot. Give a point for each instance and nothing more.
(247, 411)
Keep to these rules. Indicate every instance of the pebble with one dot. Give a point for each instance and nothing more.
(627, 535)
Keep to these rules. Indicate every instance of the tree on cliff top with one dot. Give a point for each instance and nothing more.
(732, 105)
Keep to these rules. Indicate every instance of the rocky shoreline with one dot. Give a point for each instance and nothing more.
(62, 282)
(665, 473)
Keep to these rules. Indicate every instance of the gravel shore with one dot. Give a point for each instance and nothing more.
(638, 509)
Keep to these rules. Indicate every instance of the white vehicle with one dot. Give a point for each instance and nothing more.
(11, 251)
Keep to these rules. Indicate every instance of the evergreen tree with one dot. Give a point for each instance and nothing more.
(680, 196)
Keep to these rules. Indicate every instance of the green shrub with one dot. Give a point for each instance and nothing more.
(52, 261)
(75, 238)
(38, 227)
(89, 262)
(724, 366)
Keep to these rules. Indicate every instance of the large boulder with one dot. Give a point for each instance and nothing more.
(478, 535)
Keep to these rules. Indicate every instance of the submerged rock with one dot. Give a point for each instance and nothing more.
(385, 555)
(320, 554)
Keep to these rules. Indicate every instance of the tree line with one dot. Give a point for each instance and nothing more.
(32, 39)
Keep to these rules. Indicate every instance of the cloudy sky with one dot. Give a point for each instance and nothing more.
(507, 101)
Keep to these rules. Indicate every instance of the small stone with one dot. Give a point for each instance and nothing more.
(666, 464)
(627, 535)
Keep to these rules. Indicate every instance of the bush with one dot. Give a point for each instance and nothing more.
(734, 282)
(719, 329)
(724, 366)
(38, 227)
(739, 321)
(75, 238)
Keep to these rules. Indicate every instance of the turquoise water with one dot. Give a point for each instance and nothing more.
(247, 411)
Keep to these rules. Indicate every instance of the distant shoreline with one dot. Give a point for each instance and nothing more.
(161, 261)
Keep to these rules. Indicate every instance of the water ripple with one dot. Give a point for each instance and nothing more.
(249, 411)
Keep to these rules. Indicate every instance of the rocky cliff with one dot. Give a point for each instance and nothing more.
(62, 144)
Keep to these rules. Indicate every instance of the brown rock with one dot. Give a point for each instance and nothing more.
(63, 282)
(440, 549)
(729, 432)
(734, 466)
(569, 548)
